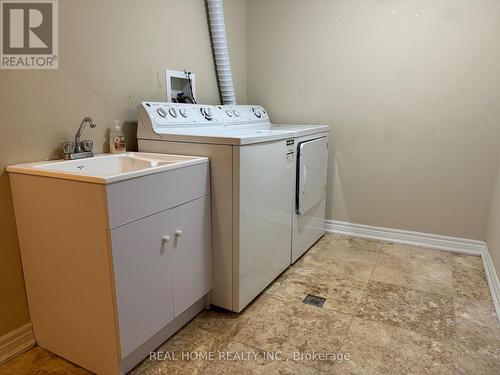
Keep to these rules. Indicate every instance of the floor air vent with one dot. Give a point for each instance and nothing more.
(314, 300)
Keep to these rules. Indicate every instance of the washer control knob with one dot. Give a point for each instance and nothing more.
(256, 112)
(183, 112)
(178, 233)
(166, 238)
(161, 111)
(205, 111)
(172, 112)
(229, 113)
(236, 113)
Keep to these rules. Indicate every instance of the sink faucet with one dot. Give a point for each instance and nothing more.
(85, 121)
(79, 149)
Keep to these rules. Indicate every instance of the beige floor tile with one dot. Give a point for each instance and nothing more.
(377, 348)
(469, 279)
(405, 251)
(349, 260)
(478, 338)
(237, 358)
(208, 332)
(220, 322)
(176, 355)
(39, 361)
(407, 319)
(430, 314)
(415, 268)
(297, 282)
(291, 328)
(478, 347)
(468, 261)
(329, 241)
(475, 312)
(478, 364)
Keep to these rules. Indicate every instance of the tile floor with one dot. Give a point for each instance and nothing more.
(393, 309)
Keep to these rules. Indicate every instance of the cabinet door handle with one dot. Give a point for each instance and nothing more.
(178, 233)
(166, 238)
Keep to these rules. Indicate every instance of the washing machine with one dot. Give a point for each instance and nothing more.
(259, 226)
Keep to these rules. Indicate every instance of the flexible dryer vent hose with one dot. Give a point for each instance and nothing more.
(221, 51)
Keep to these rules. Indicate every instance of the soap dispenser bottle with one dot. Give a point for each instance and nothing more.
(117, 140)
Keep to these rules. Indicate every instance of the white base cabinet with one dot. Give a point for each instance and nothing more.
(162, 262)
(112, 270)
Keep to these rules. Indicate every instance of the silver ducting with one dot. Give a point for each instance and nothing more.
(221, 51)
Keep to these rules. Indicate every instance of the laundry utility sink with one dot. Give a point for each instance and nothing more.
(121, 247)
(107, 168)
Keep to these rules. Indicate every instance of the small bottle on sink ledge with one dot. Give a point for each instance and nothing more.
(117, 143)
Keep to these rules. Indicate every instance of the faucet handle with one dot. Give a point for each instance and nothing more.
(68, 147)
(87, 145)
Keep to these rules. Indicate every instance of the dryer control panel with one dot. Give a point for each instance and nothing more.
(243, 114)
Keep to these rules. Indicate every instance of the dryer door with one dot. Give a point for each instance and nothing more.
(311, 173)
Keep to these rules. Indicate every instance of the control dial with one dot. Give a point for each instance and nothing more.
(236, 113)
(172, 112)
(256, 112)
(229, 113)
(183, 112)
(205, 111)
(161, 111)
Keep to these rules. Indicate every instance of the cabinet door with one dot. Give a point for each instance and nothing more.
(143, 279)
(192, 252)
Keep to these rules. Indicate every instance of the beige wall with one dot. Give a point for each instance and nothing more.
(112, 56)
(493, 235)
(413, 97)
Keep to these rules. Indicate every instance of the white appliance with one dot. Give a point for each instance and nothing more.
(253, 177)
(310, 161)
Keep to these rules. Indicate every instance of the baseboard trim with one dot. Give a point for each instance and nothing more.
(16, 342)
(492, 277)
(430, 241)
